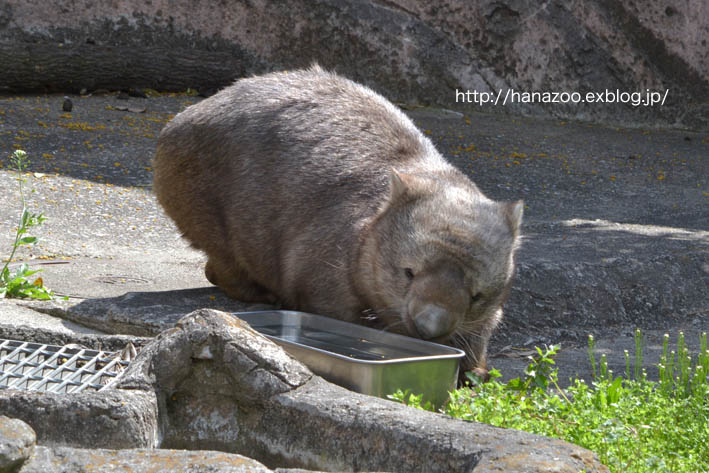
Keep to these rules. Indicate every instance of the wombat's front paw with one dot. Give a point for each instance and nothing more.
(481, 373)
(236, 283)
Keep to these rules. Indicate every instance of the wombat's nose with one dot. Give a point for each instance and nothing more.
(433, 321)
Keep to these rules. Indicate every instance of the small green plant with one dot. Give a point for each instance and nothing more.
(413, 400)
(17, 284)
(633, 424)
(677, 376)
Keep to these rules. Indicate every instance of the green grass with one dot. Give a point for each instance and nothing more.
(633, 424)
(17, 283)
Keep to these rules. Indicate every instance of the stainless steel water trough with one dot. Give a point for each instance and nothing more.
(359, 358)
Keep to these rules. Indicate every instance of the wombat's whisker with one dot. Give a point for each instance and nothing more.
(477, 325)
(464, 343)
(388, 316)
(467, 336)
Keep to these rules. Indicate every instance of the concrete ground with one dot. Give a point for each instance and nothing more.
(616, 225)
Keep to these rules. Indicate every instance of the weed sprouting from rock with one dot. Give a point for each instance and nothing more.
(16, 283)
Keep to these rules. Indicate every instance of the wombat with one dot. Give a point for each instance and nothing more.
(307, 189)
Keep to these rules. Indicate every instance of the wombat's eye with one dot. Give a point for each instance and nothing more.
(475, 297)
(409, 273)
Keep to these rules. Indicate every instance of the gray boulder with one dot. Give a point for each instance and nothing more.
(17, 442)
(222, 386)
(212, 383)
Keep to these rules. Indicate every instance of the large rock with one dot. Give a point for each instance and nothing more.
(411, 50)
(362, 433)
(17, 442)
(210, 374)
(213, 383)
(222, 386)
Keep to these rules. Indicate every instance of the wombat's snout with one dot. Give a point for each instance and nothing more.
(436, 301)
(433, 321)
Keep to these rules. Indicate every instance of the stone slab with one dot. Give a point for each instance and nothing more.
(109, 419)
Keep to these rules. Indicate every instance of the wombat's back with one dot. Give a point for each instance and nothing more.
(290, 137)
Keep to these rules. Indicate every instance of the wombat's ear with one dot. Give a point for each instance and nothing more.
(403, 184)
(513, 214)
(397, 188)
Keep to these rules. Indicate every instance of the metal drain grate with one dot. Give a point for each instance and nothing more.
(56, 369)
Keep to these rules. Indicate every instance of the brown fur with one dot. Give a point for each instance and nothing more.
(310, 190)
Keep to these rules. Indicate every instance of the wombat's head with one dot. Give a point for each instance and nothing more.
(438, 261)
